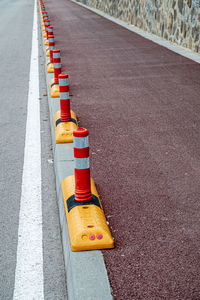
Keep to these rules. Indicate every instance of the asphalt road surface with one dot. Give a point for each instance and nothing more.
(15, 50)
(141, 105)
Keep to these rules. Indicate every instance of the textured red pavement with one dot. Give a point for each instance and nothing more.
(141, 105)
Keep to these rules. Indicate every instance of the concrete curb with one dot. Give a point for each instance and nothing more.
(156, 39)
(86, 274)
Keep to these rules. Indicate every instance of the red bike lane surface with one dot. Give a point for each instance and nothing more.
(140, 103)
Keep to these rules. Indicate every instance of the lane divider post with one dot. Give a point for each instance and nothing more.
(65, 119)
(54, 82)
(44, 18)
(46, 40)
(41, 6)
(46, 24)
(44, 13)
(87, 226)
(50, 67)
(49, 33)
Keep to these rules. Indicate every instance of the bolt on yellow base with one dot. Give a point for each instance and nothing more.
(87, 226)
(54, 89)
(64, 130)
(50, 67)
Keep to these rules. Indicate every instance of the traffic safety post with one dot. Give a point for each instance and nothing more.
(87, 226)
(54, 83)
(49, 32)
(46, 41)
(42, 7)
(50, 68)
(48, 49)
(65, 119)
(42, 10)
(44, 13)
(44, 18)
(82, 167)
(46, 24)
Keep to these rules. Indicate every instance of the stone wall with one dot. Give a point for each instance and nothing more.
(175, 20)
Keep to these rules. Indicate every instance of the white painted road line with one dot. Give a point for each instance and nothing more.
(29, 283)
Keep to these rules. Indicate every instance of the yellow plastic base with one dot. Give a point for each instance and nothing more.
(44, 34)
(46, 42)
(54, 90)
(64, 130)
(50, 68)
(43, 27)
(85, 221)
(47, 51)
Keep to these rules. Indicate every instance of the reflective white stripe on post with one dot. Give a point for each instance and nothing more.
(57, 65)
(51, 48)
(82, 163)
(81, 142)
(64, 95)
(63, 82)
(51, 40)
(56, 55)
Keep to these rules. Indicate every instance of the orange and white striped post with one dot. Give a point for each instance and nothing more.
(57, 65)
(65, 114)
(82, 165)
(65, 119)
(50, 68)
(54, 82)
(46, 24)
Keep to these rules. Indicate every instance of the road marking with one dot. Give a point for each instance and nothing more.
(29, 266)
